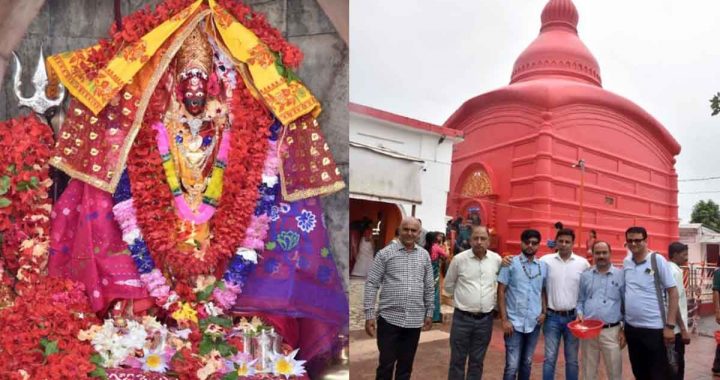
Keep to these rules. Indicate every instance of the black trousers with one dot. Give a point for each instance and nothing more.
(397, 348)
(469, 340)
(680, 350)
(648, 357)
(716, 363)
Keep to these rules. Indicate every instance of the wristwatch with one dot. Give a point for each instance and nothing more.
(671, 327)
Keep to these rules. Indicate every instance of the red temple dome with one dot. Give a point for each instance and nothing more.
(557, 51)
(514, 168)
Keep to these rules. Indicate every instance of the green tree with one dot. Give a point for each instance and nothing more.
(715, 104)
(707, 213)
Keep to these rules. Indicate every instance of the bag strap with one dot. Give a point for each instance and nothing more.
(658, 291)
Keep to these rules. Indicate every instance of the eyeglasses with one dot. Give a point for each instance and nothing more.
(634, 241)
(532, 242)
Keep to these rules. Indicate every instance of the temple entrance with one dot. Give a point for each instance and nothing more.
(475, 201)
(381, 219)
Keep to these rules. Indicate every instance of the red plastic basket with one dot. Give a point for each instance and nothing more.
(588, 329)
(717, 336)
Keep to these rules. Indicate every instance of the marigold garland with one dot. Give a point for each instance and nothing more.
(243, 174)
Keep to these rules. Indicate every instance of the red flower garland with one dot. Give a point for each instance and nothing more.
(139, 23)
(56, 310)
(157, 221)
(25, 210)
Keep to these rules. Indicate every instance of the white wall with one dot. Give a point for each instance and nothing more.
(434, 181)
(695, 253)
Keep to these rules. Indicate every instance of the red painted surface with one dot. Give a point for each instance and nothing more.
(554, 112)
(403, 120)
(707, 309)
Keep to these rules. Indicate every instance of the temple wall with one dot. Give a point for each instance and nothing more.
(434, 172)
(630, 177)
(65, 25)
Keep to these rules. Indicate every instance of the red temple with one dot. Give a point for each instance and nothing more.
(520, 163)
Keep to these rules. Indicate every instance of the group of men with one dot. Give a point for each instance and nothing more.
(531, 294)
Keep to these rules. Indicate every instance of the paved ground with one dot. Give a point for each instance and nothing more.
(433, 354)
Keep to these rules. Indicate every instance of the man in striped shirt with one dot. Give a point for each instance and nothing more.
(406, 305)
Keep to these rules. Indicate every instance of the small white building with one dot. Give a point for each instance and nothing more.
(398, 166)
(703, 243)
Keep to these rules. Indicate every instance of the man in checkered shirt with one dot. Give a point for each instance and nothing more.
(404, 272)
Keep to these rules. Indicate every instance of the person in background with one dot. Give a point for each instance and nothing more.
(551, 243)
(472, 282)
(521, 303)
(716, 304)
(445, 245)
(402, 273)
(437, 254)
(592, 237)
(678, 253)
(600, 297)
(421, 236)
(463, 240)
(449, 226)
(474, 219)
(366, 252)
(455, 234)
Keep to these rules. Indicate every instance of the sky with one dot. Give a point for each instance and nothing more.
(424, 58)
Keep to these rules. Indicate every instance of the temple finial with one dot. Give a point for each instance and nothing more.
(560, 13)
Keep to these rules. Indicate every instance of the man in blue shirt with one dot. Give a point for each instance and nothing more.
(600, 297)
(645, 332)
(521, 304)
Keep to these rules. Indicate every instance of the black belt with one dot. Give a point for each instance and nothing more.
(564, 313)
(474, 315)
(609, 325)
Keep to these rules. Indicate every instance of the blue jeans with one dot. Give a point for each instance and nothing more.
(554, 329)
(519, 349)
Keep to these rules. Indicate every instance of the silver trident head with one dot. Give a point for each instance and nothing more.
(39, 102)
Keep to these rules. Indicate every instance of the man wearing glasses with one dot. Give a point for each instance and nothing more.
(646, 331)
(521, 306)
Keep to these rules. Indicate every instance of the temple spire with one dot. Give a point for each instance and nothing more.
(557, 52)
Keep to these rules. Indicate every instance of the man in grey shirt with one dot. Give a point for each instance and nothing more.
(405, 274)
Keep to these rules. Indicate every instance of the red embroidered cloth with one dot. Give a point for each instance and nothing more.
(308, 168)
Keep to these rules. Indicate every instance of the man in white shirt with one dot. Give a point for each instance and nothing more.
(678, 254)
(472, 282)
(563, 284)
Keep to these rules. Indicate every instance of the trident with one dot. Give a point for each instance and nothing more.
(38, 102)
(43, 106)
